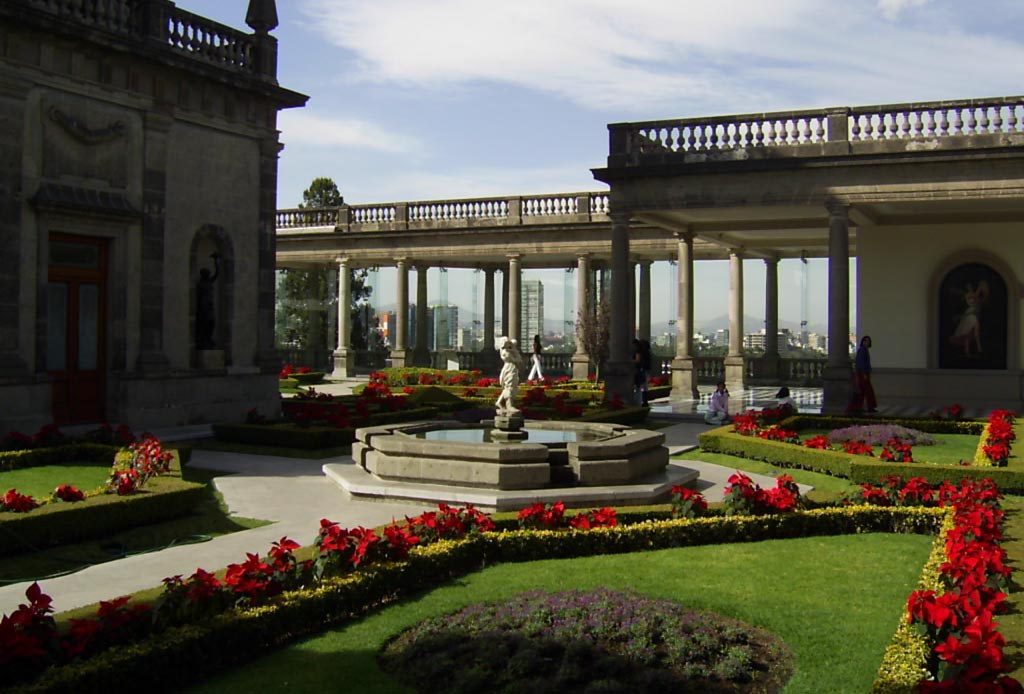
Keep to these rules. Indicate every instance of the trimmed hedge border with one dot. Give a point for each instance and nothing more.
(183, 655)
(308, 379)
(856, 468)
(311, 437)
(53, 455)
(60, 523)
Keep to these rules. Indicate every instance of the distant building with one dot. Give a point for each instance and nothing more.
(443, 326)
(532, 313)
(720, 338)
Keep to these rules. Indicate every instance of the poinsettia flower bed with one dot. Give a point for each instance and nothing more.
(950, 620)
(997, 439)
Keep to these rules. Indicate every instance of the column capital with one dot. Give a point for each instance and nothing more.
(514, 256)
(837, 208)
(772, 260)
(342, 260)
(584, 256)
(684, 235)
(737, 251)
(645, 262)
(422, 267)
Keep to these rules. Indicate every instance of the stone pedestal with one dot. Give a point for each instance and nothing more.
(344, 362)
(684, 379)
(836, 391)
(735, 373)
(209, 359)
(580, 367)
(508, 427)
(400, 358)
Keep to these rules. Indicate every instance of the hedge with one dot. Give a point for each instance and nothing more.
(55, 455)
(59, 523)
(308, 379)
(856, 468)
(311, 437)
(180, 656)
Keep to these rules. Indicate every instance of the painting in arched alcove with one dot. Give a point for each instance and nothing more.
(972, 318)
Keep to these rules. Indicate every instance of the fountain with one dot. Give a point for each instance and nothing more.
(507, 462)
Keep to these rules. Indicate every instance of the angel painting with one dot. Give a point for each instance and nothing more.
(967, 335)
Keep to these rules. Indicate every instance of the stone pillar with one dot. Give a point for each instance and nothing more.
(400, 356)
(488, 354)
(504, 302)
(735, 372)
(684, 368)
(770, 362)
(515, 301)
(632, 300)
(584, 298)
(421, 354)
(618, 376)
(17, 275)
(152, 357)
(837, 372)
(344, 355)
(644, 319)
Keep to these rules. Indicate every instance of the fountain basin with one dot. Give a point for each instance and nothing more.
(584, 454)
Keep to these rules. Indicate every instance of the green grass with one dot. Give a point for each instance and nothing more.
(39, 482)
(835, 601)
(210, 519)
(826, 487)
(1012, 625)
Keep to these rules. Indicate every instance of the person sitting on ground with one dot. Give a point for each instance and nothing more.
(785, 400)
(718, 409)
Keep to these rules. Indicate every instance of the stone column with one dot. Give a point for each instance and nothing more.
(632, 300)
(400, 338)
(152, 357)
(684, 369)
(18, 275)
(644, 319)
(515, 301)
(421, 354)
(488, 354)
(770, 362)
(618, 376)
(837, 372)
(344, 355)
(584, 298)
(735, 372)
(504, 302)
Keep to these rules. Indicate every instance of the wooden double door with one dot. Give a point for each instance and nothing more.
(76, 300)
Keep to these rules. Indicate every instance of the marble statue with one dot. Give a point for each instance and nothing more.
(512, 362)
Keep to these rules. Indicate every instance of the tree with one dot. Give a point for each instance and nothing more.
(592, 330)
(303, 301)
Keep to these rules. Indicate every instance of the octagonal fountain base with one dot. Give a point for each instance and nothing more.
(582, 464)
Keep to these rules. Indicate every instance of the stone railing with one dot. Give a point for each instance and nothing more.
(439, 214)
(829, 131)
(804, 371)
(709, 369)
(164, 24)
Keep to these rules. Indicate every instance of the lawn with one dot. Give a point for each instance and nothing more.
(39, 482)
(834, 600)
(210, 519)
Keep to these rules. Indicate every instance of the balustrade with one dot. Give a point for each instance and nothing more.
(794, 129)
(179, 30)
(423, 214)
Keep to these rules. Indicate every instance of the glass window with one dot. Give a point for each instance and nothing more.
(88, 326)
(71, 254)
(56, 326)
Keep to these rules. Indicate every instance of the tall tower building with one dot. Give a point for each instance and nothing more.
(531, 317)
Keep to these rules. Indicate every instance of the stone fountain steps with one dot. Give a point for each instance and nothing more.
(365, 486)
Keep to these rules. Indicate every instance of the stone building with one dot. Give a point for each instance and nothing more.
(138, 141)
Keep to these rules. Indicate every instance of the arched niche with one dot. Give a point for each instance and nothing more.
(210, 239)
(974, 314)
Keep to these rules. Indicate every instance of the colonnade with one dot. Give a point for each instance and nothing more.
(624, 295)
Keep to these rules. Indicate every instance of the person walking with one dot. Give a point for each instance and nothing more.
(535, 370)
(862, 376)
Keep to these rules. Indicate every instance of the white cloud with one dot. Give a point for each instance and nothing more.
(664, 58)
(304, 127)
(891, 9)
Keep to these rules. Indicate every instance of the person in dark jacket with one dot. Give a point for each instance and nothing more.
(862, 376)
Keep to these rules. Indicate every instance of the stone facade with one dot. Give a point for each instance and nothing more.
(127, 157)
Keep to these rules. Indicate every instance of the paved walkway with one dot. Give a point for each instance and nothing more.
(292, 492)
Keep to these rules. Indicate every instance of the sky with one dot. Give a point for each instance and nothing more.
(419, 100)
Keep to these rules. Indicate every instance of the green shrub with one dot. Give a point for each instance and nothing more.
(163, 498)
(306, 379)
(289, 383)
(35, 457)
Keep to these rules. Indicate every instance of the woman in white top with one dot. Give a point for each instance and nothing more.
(535, 370)
(784, 399)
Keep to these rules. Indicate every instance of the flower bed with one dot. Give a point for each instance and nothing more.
(565, 641)
(744, 440)
(996, 440)
(177, 655)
